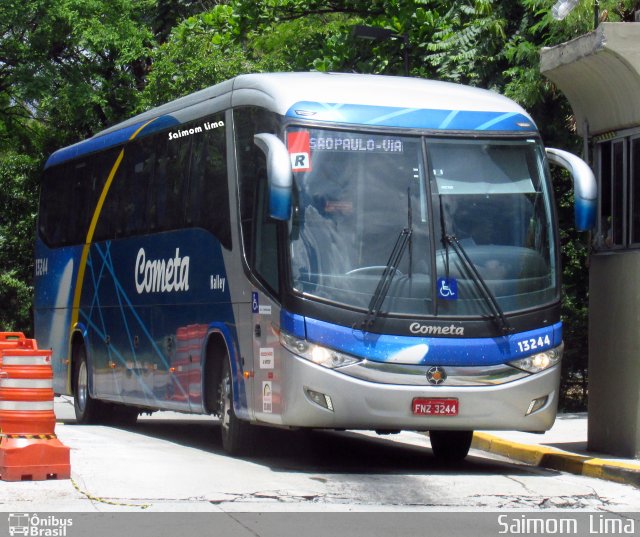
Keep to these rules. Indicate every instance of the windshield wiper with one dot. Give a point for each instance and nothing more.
(384, 283)
(481, 284)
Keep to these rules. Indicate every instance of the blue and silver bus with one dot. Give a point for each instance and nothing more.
(310, 250)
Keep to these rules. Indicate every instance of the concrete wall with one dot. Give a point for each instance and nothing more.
(614, 353)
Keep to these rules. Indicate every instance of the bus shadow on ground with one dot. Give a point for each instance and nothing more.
(331, 452)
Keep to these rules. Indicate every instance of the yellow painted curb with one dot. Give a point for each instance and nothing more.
(555, 459)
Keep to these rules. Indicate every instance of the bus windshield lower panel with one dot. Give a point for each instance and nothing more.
(358, 191)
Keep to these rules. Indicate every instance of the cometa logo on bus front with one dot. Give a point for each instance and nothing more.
(161, 275)
(429, 329)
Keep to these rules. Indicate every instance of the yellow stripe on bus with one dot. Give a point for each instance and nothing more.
(75, 312)
(89, 238)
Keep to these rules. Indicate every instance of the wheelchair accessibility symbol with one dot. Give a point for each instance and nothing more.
(448, 288)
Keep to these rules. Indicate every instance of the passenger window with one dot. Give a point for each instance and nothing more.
(160, 185)
(139, 178)
(208, 195)
(69, 196)
(171, 182)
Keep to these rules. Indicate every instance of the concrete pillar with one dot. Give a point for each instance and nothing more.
(600, 75)
(614, 354)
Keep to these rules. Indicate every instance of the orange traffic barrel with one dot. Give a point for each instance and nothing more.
(33, 458)
(16, 340)
(26, 392)
(29, 448)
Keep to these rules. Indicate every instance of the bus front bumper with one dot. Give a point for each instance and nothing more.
(354, 403)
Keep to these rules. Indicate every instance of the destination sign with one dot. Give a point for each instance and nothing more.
(347, 144)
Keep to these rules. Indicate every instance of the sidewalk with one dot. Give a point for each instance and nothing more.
(563, 448)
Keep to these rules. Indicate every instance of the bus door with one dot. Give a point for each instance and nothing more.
(264, 309)
(265, 315)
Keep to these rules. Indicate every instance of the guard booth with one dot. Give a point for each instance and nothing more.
(600, 75)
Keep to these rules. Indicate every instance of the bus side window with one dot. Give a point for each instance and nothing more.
(171, 179)
(52, 206)
(68, 199)
(98, 172)
(157, 194)
(112, 222)
(208, 193)
(78, 189)
(196, 182)
(139, 179)
(108, 223)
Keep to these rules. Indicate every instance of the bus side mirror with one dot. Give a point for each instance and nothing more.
(585, 189)
(279, 175)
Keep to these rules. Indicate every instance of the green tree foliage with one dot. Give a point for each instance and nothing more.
(67, 69)
(75, 66)
(17, 224)
(200, 51)
(240, 37)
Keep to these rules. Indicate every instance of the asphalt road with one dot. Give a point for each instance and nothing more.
(174, 463)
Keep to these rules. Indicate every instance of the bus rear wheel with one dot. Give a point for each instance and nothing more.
(236, 434)
(450, 446)
(88, 410)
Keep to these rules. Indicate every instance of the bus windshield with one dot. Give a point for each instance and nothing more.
(359, 191)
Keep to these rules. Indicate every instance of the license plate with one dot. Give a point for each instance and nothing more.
(428, 406)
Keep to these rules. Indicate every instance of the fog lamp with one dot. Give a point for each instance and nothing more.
(319, 399)
(537, 404)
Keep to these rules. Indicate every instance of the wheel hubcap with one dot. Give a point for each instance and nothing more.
(81, 389)
(225, 401)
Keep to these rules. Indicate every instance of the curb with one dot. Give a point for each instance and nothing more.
(563, 461)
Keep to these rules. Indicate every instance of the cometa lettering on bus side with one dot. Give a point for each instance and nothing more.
(207, 126)
(161, 275)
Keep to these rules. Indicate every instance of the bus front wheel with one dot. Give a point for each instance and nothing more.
(236, 433)
(87, 409)
(450, 446)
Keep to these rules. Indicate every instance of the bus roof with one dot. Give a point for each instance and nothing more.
(370, 100)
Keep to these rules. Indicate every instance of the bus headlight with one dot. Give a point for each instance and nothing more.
(539, 362)
(316, 353)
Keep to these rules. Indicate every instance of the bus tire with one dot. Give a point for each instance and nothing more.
(236, 433)
(450, 446)
(88, 410)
